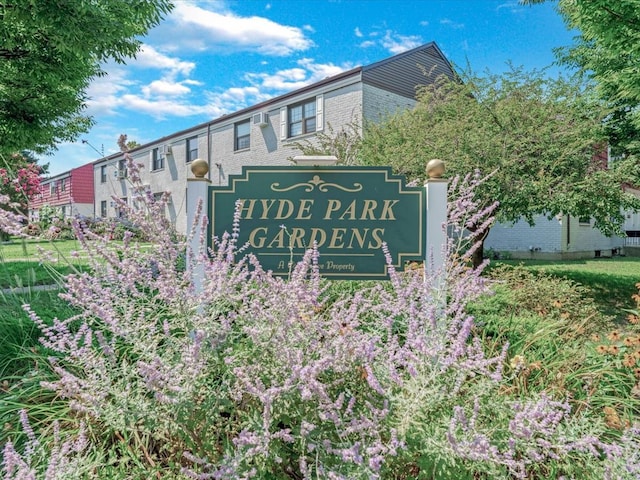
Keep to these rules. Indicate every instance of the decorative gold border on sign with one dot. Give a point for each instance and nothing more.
(389, 179)
(316, 181)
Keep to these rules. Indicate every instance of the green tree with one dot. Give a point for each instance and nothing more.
(607, 49)
(49, 52)
(343, 144)
(539, 136)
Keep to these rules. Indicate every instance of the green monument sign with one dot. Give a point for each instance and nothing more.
(348, 212)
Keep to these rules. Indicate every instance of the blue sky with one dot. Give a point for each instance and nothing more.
(212, 57)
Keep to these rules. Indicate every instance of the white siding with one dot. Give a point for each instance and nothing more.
(555, 238)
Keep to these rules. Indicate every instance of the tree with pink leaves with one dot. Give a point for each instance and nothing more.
(20, 181)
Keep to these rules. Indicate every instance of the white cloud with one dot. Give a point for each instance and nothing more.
(116, 90)
(424, 23)
(290, 79)
(149, 57)
(161, 108)
(397, 43)
(233, 99)
(513, 7)
(192, 27)
(165, 88)
(322, 70)
(358, 33)
(394, 42)
(451, 23)
(263, 86)
(104, 92)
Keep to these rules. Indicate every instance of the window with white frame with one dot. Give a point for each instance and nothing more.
(103, 208)
(63, 185)
(192, 149)
(157, 160)
(53, 188)
(242, 135)
(302, 118)
(103, 174)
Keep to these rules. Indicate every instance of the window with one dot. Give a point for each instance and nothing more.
(122, 213)
(584, 221)
(103, 208)
(192, 149)
(162, 197)
(122, 169)
(103, 174)
(302, 118)
(63, 211)
(63, 185)
(157, 160)
(242, 135)
(53, 187)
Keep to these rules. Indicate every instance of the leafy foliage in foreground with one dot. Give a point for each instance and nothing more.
(609, 281)
(253, 376)
(559, 342)
(50, 51)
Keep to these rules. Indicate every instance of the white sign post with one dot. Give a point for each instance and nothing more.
(436, 188)
(197, 192)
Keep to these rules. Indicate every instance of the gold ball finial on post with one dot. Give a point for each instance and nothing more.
(199, 168)
(435, 168)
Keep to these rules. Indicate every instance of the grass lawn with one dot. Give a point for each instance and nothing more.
(22, 265)
(30, 250)
(21, 262)
(19, 335)
(611, 281)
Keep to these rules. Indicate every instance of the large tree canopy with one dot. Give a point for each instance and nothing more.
(608, 50)
(541, 136)
(49, 52)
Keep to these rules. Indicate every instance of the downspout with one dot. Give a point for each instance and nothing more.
(209, 149)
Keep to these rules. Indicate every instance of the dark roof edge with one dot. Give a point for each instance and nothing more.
(406, 53)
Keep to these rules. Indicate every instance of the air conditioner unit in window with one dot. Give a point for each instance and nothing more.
(261, 119)
(164, 150)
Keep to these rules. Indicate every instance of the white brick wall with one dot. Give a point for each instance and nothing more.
(545, 236)
(379, 104)
(632, 221)
(550, 239)
(341, 106)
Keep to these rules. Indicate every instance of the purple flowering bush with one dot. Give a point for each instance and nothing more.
(253, 376)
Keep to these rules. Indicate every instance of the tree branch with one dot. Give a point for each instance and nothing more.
(12, 54)
(622, 18)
